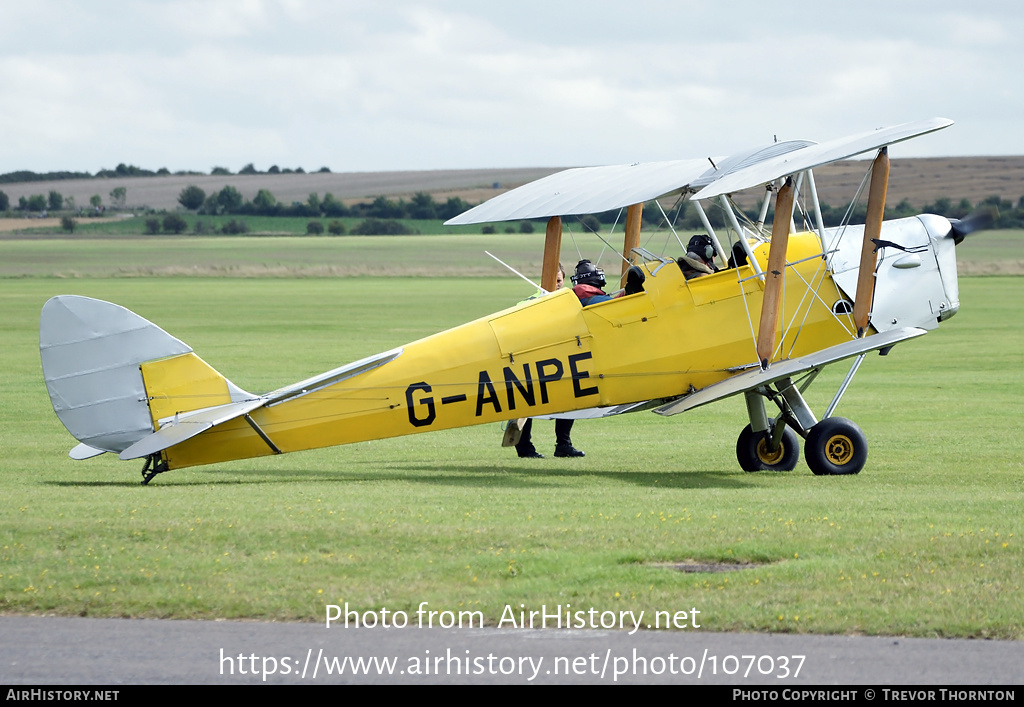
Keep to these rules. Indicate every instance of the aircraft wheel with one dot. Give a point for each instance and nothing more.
(836, 446)
(753, 454)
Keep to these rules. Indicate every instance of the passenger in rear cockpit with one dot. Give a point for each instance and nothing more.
(700, 257)
(587, 282)
(589, 279)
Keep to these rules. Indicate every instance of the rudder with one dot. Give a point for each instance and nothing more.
(94, 355)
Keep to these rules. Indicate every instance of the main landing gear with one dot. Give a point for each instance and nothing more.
(759, 451)
(834, 446)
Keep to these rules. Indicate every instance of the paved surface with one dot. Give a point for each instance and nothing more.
(41, 650)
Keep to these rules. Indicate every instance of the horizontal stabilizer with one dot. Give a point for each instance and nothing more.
(786, 369)
(185, 426)
(311, 385)
(188, 425)
(84, 451)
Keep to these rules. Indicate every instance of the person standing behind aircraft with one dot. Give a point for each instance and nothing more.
(563, 428)
(587, 283)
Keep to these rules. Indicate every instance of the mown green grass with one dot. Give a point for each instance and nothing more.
(926, 541)
(441, 254)
(224, 256)
(997, 252)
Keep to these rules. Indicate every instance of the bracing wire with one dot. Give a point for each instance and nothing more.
(572, 236)
(671, 227)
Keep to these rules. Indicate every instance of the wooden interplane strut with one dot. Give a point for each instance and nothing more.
(552, 250)
(632, 238)
(775, 277)
(868, 251)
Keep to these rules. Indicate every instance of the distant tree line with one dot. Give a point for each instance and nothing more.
(130, 170)
(25, 176)
(122, 170)
(273, 169)
(55, 201)
(385, 213)
(230, 201)
(422, 206)
(1006, 214)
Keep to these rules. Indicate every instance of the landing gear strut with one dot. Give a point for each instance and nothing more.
(155, 464)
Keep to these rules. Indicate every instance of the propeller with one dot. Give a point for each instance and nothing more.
(961, 228)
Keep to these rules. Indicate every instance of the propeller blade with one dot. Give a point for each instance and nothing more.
(969, 224)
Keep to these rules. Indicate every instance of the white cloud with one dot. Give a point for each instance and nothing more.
(363, 85)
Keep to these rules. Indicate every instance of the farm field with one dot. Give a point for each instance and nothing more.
(129, 225)
(926, 541)
(162, 192)
(919, 180)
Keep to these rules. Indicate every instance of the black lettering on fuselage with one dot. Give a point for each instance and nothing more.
(422, 409)
(428, 401)
(485, 393)
(578, 375)
(529, 397)
(545, 378)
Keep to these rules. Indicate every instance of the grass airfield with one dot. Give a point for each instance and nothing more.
(926, 541)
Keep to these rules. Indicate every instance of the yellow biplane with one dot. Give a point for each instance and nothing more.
(784, 303)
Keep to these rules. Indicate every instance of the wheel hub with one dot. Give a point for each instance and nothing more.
(839, 449)
(768, 456)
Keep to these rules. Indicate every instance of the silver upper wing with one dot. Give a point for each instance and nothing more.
(591, 190)
(586, 190)
(813, 156)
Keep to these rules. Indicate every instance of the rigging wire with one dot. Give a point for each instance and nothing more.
(610, 232)
(575, 245)
(848, 215)
(671, 228)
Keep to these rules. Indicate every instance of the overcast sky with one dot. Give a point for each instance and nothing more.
(393, 84)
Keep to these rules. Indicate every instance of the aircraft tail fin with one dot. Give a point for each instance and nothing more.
(112, 375)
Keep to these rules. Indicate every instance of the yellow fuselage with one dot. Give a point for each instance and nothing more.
(545, 356)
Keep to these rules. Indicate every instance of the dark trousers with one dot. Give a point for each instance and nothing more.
(563, 430)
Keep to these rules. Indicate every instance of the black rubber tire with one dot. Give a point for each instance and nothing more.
(753, 455)
(836, 447)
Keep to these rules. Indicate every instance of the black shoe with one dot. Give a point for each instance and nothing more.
(531, 455)
(567, 450)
